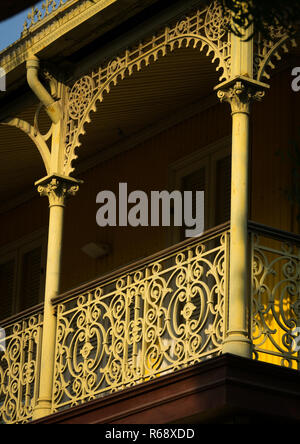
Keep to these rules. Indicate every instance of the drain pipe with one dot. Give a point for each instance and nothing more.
(56, 188)
(51, 106)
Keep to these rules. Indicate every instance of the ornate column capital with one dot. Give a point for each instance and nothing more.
(240, 93)
(57, 188)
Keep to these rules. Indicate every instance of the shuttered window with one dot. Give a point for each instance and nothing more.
(31, 273)
(223, 190)
(22, 277)
(195, 181)
(215, 180)
(7, 281)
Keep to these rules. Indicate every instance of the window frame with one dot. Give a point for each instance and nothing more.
(208, 157)
(4, 259)
(16, 250)
(215, 157)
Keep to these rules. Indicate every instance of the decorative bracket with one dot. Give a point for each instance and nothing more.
(35, 136)
(268, 52)
(205, 29)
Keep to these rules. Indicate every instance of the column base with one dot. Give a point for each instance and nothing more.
(238, 345)
(42, 409)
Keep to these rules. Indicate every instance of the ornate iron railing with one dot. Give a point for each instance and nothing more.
(37, 15)
(20, 348)
(157, 316)
(275, 296)
(161, 315)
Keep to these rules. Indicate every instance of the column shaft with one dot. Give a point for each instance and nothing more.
(238, 329)
(56, 189)
(239, 93)
(51, 290)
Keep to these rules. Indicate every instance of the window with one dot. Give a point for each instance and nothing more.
(7, 284)
(22, 274)
(208, 170)
(222, 188)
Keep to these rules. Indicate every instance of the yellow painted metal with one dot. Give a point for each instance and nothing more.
(170, 313)
(239, 93)
(275, 299)
(204, 29)
(20, 350)
(45, 29)
(34, 135)
(152, 319)
(52, 107)
(57, 189)
(156, 318)
(242, 55)
(238, 340)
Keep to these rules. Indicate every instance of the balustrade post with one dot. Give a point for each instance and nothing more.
(57, 189)
(240, 92)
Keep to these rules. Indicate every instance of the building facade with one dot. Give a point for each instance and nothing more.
(139, 323)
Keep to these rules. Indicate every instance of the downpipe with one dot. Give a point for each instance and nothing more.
(52, 107)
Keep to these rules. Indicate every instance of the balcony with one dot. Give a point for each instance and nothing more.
(149, 320)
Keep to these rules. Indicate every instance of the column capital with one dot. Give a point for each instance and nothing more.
(57, 188)
(240, 92)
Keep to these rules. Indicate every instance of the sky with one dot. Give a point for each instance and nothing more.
(10, 30)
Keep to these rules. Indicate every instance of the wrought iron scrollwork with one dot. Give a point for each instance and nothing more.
(275, 299)
(19, 369)
(205, 29)
(162, 317)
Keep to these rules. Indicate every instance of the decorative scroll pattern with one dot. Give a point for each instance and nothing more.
(268, 52)
(276, 301)
(206, 29)
(19, 369)
(35, 16)
(162, 317)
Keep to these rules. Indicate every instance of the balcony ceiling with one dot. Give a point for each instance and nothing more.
(182, 78)
(147, 97)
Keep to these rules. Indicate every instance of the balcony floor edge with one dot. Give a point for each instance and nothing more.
(225, 389)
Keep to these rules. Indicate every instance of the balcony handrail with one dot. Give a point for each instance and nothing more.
(32, 311)
(20, 365)
(275, 290)
(274, 233)
(141, 262)
(150, 318)
(83, 302)
(253, 226)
